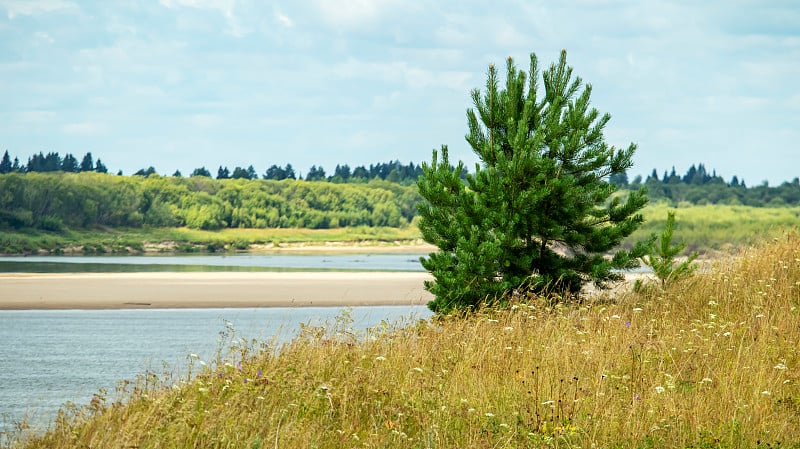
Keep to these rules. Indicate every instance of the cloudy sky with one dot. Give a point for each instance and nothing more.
(179, 84)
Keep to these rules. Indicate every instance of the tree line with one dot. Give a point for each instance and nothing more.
(393, 171)
(55, 201)
(699, 186)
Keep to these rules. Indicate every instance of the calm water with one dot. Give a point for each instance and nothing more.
(50, 357)
(234, 262)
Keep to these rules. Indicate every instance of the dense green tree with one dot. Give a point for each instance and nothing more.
(223, 173)
(315, 174)
(277, 173)
(70, 164)
(5, 164)
(241, 173)
(201, 172)
(341, 173)
(538, 213)
(360, 172)
(87, 163)
(145, 171)
(99, 167)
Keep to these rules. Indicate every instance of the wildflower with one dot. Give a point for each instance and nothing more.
(470, 410)
(659, 389)
(260, 398)
(637, 309)
(508, 328)
(489, 415)
(706, 380)
(194, 356)
(418, 369)
(380, 358)
(492, 320)
(780, 366)
(503, 425)
(712, 303)
(548, 402)
(766, 393)
(258, 374)
(202, 363)
(614, 317)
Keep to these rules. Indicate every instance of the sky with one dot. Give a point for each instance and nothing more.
(179, 84)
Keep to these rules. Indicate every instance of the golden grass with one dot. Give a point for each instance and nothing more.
(711, 362)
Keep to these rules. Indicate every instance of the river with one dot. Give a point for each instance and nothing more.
(51, 357)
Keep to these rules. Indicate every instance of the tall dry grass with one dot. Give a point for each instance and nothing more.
(711, 362)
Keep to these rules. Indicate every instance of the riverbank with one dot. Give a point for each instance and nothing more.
(169, 290)
(186, 241)
(20, 291)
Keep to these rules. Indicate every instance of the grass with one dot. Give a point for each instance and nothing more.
(184, 240)
(718, 227)
(714, 361)
(703, 228)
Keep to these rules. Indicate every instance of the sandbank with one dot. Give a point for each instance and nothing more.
(210, 290)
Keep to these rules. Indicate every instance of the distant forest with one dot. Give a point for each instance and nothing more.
(51, 192)
(699, 186)
(393, 171)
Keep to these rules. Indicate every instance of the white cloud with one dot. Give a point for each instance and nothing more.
(355, 14)
(35, 116)
(29, 7)
(284, 19)
(223, 7)
(83, 129)
(402, 72)
(44, 37)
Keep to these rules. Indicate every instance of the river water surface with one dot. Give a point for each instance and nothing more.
(51, 357)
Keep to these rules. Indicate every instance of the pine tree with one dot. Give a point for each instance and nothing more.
(5, 164)
(99, 167)
(87, 164)
(69, 164)
(223, 173)
(662, 254)
(538, 214)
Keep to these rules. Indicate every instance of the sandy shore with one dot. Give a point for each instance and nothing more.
(207, 290)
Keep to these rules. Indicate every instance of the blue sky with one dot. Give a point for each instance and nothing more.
(179, 84)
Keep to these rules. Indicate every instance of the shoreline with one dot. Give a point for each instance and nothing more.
(169, 290)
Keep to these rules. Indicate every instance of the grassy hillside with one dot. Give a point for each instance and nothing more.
(718, 227)
(712, 362)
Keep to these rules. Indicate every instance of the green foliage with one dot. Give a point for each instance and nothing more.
(55, 201)
(662, 256)
(538, 214)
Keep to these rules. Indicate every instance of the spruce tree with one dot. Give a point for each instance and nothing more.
(86, 163)
(5, 164)
(538, 213)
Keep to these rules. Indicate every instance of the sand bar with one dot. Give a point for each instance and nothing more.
(209, 290)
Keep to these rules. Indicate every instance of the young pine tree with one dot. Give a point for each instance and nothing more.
(662, 254)
(538, 213)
